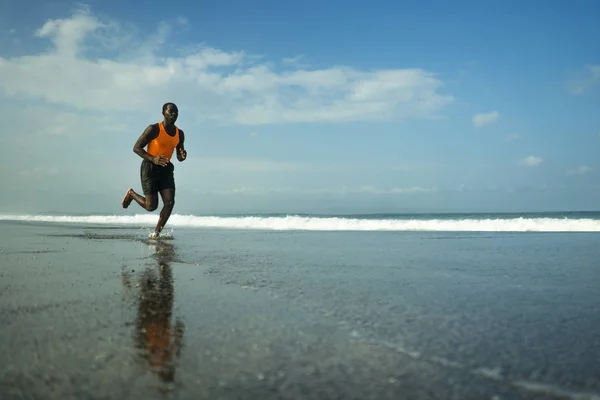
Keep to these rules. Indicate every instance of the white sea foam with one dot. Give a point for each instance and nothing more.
(518, 224)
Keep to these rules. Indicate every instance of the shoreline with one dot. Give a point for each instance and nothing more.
(112, 314)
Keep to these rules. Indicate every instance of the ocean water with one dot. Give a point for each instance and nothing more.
(452, 222)
(511, 298)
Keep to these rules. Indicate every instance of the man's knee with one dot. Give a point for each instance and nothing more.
(170, 203)
(151, 204)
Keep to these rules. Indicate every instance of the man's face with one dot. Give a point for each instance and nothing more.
(171, 113)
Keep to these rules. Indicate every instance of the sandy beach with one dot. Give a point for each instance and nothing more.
(101, 312)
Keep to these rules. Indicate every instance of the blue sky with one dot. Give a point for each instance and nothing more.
(334, 106)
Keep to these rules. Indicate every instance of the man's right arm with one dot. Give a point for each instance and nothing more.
(148, 135)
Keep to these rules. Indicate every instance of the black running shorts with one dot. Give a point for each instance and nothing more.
(156, 178)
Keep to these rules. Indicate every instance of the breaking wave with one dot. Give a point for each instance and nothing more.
(317, 223)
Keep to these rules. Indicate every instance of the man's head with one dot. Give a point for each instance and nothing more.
(170, 112)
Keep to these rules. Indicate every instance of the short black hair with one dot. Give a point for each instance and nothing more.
(168, 104)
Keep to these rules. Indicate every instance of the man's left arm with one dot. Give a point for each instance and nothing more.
(181, 153)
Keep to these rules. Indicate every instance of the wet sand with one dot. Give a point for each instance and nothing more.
(109, 314)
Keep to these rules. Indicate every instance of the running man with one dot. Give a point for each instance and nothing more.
(156, 171)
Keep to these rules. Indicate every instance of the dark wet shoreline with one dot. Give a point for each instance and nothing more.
(117, 316)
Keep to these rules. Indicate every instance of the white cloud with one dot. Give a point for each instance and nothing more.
(292, 60)
(183, 21)
(413, 189)
(251, 167)
(581, 170)
(585, 80)
(531, 161)
(39, 171)
(246, 165)
(214, 84)
(393, 190)
(37, 121)
(296, 62)
(344, 190)
(68, 34)
(512, 137)
(483, 119)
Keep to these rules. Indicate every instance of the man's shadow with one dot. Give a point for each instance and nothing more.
(158, 337)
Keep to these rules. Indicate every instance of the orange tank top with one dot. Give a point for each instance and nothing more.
(164, 143)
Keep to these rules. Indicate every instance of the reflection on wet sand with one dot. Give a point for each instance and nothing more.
(155, 336)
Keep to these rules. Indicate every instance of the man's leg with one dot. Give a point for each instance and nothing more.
(168, 198)
(149, 181)
(149, 202)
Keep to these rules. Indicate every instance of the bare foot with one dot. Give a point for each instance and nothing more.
(127, 199)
